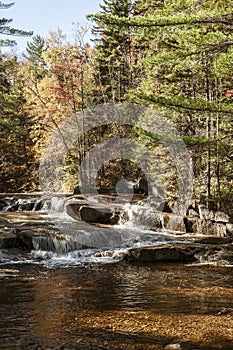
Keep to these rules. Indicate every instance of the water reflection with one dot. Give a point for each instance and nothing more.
(62, 304)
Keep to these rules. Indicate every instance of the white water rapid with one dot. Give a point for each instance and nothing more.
(81, 241)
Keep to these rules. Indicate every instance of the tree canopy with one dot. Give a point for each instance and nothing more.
(174, 56)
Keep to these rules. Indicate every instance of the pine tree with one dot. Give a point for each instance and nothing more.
(147, 7)
(184, 79)
(34, 50)
(16, 159)
(188, 73)
(5, 28)
(114, 50)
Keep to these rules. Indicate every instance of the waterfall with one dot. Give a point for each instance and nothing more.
(52, 228)
(141, 216)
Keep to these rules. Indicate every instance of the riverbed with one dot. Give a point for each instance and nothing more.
(115, 306)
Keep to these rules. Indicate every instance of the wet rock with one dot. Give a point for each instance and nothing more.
(141, 187)
(24, 240)
(97, 215)
(38, 205)
(43, 243)
(172, 253)
(13, 207)
(229, 229)
(73, 209)
(8, 241)
(173, 222)
(3, 204)
(221, 217)
(183, 345)
(115, 218)
(77, 190)
(26, 206)
(215, 240)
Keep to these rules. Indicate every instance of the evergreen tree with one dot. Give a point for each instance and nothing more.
(16, 159)
(188, 72)
(114, 50)
(5, 28)
(147, 7)
(34, 50)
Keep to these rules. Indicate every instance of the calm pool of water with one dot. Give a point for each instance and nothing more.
(57, 308)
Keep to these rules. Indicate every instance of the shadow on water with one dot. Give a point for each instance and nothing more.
(119, 306)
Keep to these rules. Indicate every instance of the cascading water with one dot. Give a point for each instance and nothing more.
(67, 238)
(140, 216)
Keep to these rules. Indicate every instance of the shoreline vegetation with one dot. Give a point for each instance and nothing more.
(172, 57)
(175, 58)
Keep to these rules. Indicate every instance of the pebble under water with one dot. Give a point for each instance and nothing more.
(115, 306)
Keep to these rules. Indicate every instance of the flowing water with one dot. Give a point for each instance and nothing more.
(115, 306)
(61, 297)
(103, 243)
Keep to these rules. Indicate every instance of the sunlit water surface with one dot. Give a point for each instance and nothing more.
(46, 306)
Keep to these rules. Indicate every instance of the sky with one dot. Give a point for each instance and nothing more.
(44, 16)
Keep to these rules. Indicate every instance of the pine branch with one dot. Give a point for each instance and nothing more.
(7, 43)
(181, 102)
(165, 21)
(6, 30)
(5, 6)
(184, 52)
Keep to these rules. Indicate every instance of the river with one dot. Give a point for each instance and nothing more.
(115, 306)
(91, 299)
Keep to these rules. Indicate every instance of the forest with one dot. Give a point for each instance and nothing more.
(170, 55)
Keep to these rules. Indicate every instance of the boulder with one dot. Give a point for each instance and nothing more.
(73, 209)
(141, 187)
(98, 215)
(206, 249)
(8, 241)
(169, 253)
(221, 217)
(173, 222)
